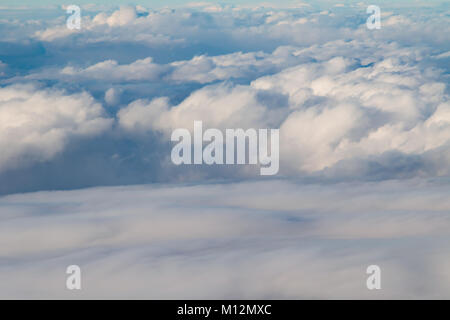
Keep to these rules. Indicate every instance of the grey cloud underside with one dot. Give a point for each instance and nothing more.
(275, 239)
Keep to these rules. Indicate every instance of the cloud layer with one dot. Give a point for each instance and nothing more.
(364, 120)
(350, 103)
(275, 239)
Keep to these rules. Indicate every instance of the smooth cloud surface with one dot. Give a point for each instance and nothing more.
(273, 239)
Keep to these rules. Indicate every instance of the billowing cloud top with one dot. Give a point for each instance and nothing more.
(350, 103)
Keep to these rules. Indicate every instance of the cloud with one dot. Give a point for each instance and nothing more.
(204, 69)
(36, 123)
(110, 70)
(269, 239)
(120, 17)
(201, 69)
(351, 103)
(3, 66)
(364, 148)
(327, 112)
(112, 96)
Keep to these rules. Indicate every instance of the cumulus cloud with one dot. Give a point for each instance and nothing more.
(110, 70)
(112, 27)
(233, 106)
(327, 112)
(274, 239)
(35, 124)
(112, 96)
(350, 103)
(238, 65)
(120, 17)
(200, 69)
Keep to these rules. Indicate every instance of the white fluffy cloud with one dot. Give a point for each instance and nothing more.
(35, 124)
(206, 69)
(328, 111)
(120, 17)
(110, 70)
(201, 69)
(347, 99)
(239, 26)
(112, 96)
